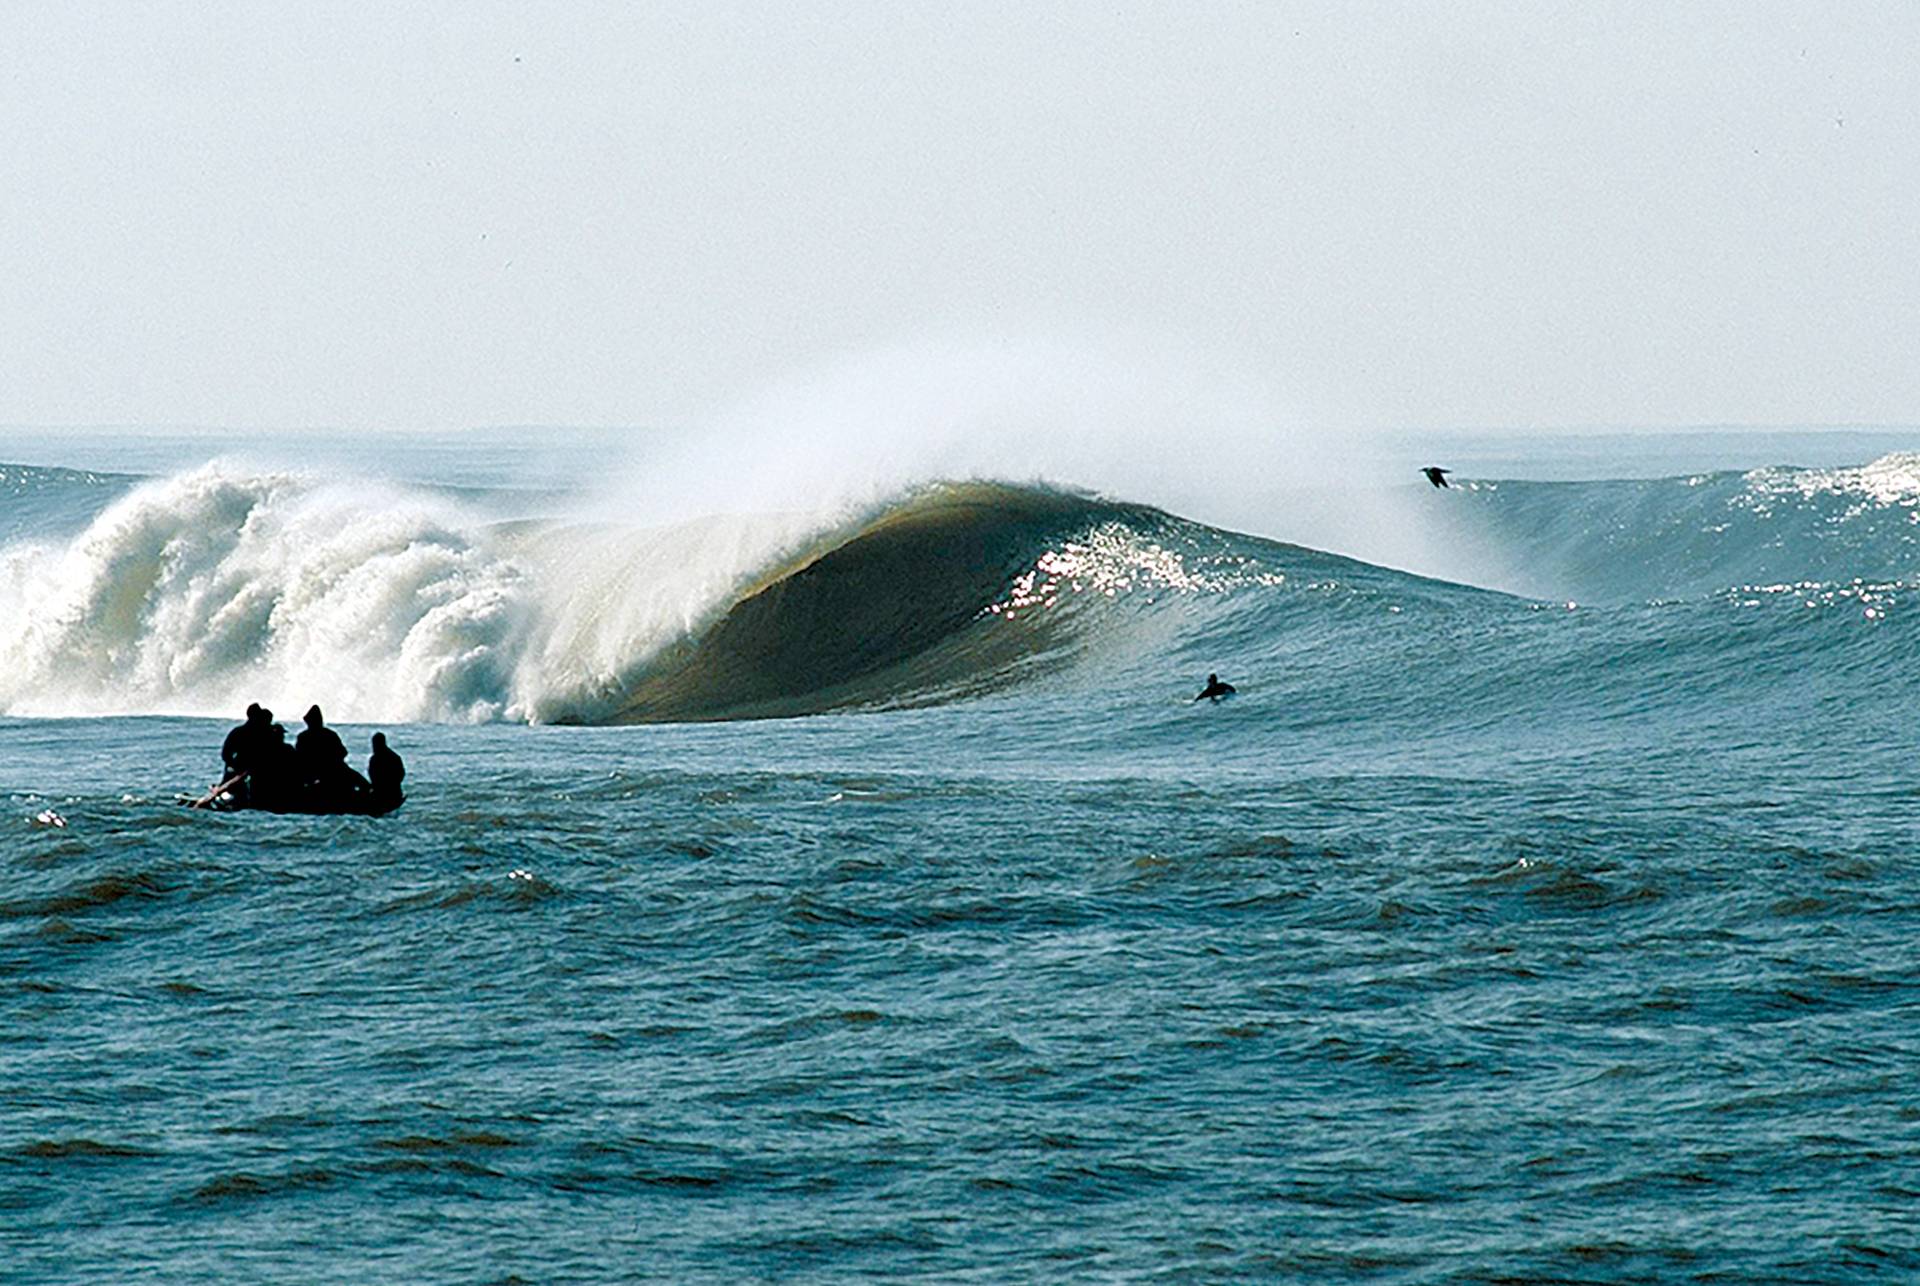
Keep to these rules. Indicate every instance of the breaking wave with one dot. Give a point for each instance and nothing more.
(187, 593)
(197, 593)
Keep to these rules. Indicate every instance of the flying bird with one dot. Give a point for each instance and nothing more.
(1436, 475)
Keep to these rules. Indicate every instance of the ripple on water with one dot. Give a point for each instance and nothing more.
(1100, 1030)
(90, 893)
(64, 933)
(465, 1139)
(516, 889)
(82, 1149)
(244, 1184)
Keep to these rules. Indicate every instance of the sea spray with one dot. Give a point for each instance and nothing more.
(1152, 418)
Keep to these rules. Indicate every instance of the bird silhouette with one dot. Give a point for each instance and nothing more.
(1436, 475)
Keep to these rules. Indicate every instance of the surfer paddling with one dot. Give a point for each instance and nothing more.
(1215, 689)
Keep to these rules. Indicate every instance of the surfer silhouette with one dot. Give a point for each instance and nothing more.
(385, 771)
(1215, 689)
(1437, 476)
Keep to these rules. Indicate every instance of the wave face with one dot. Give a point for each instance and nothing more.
(198, 593)
(954, 592)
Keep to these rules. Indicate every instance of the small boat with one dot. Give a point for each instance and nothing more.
(231, 797)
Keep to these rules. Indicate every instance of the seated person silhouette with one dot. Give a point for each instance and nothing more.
(244, 749)
(320, 761)
(386, 771)
(272, 783)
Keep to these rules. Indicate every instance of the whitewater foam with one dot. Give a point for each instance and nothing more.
(196, 593)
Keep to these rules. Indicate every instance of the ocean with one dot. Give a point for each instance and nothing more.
(859, 892)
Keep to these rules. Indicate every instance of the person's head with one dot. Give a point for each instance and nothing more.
(1212, 679)
(379, 741)
(254, 712)
(314, 719)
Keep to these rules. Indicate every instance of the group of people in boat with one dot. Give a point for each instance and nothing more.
(311, 775)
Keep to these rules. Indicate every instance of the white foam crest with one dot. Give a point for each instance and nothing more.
(198, 593)
(1892, 480)
(202, 592)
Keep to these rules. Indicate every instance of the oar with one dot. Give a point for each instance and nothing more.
(219, 790)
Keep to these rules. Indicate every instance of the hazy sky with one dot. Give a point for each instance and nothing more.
(448, 214)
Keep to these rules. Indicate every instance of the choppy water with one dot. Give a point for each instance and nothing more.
(1479, 938)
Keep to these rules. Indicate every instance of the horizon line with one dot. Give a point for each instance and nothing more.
(1588, 428)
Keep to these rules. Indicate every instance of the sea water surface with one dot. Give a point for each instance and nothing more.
(1565, 934)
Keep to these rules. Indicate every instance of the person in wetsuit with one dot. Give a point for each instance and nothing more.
(320, 761)
(386, 771)
(240, 753)
(272, 782)
(1215, 689)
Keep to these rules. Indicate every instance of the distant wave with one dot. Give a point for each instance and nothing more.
(37, 500)
(1679, 537)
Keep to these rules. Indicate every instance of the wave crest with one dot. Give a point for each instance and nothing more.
(198, 593)
(955, 590)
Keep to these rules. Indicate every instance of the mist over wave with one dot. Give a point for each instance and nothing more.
(1152, 419)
